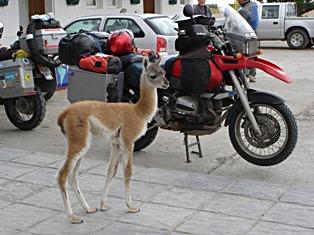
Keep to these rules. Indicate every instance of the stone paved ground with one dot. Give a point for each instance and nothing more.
(171, 202)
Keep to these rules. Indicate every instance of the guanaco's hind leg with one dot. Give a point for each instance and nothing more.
(76, 188)
(112, 170)
(77, 147)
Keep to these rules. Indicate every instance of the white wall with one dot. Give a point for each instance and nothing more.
(9, 15)
(65, 13)
(23, 12)
(163, 7)
(16, 13)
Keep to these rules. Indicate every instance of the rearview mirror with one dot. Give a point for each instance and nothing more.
(188, 10)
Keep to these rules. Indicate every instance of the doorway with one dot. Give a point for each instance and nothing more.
(149, 6)
(36, 7)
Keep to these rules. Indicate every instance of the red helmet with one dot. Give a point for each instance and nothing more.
(121, 42)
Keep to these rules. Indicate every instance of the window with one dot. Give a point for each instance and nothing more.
(270, 12)
(91, 3)
(122, 23)
(112, 2)
(183, 2)
(291, 10)
(86, 25)
(162, 26)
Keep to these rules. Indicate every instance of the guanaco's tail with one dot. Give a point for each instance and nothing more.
(61, 118)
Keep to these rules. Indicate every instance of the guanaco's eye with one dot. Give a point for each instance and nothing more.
(153, 77)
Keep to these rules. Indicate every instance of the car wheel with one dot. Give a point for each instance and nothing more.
(297, 39)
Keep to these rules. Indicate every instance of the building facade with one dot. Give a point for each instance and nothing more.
(18, 12)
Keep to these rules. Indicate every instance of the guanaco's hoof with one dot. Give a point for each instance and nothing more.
(75, 219)
(91, 210)
(134, 210)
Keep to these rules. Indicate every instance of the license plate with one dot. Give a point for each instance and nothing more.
(45, 71)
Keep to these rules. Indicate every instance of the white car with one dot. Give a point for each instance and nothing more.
(151, 31)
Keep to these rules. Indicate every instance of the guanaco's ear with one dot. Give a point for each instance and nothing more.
(145, 62)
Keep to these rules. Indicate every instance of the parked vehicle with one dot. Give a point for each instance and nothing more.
(24, 105)
(152, 31)
(41, 41)
(278, 21)
(208, 88)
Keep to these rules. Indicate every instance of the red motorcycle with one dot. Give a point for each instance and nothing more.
(208, 88)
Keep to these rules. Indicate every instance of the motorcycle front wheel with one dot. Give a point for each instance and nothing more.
(26, 112)
(279, 134)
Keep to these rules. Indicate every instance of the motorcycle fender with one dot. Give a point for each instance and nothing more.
(254, 97)
(269, 68)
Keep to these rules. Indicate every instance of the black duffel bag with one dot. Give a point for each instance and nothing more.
(74, 46)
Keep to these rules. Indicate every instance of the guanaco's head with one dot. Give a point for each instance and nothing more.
(154, 73)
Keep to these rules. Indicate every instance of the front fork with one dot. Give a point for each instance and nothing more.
(244, 101)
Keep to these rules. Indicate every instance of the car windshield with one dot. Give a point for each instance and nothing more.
(162, 26)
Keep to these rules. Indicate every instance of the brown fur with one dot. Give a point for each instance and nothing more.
(125, 122)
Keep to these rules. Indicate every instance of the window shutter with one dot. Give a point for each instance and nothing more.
(135, 1)
(71, 2)
(4, 3)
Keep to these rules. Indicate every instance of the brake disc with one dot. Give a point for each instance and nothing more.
(270, 131)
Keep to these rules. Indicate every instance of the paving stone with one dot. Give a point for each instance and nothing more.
(140, 191)
(93, 183)
(157, 216)
(61, 225)
(215, 224)
(49, 198)
(291, 214)
(42, 176)
(269, 228)
(183, 198)
(38, 159)
(15, 191)
(237, 206)
(7, 154)
(9, 231)
(256, 189)
(4, 204)
(160, 176)
(21, 217)
(11, 170)
(102, 170)
(117, 207)
(85, 165)
(204, 182)
(3, 181)
(304, 196)
(130, 229)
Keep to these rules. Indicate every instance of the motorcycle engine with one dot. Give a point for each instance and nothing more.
(187, 105)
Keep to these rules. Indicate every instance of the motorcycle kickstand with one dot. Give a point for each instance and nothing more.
(187, 146)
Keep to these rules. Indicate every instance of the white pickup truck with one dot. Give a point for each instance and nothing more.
(278, 21)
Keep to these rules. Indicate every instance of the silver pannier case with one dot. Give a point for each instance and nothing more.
(86, 85)
(16, 78)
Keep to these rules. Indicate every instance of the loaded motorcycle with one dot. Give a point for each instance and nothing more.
(24, 105)
(208, 89)
(41, 41)
(262, 129)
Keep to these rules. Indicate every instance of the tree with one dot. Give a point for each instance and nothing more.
(302, 5)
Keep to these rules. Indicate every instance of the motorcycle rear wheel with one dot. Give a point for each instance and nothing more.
(146, 139)
(279, 134)
(26, 112)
